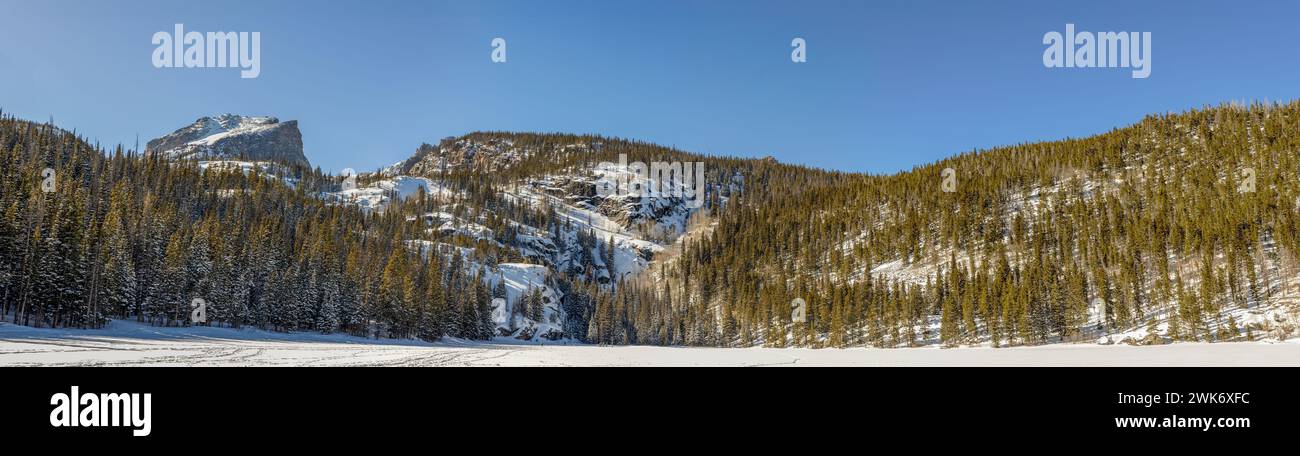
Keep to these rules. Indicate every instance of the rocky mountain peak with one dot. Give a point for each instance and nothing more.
(230, 136)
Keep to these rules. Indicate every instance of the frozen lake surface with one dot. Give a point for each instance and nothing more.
(126, 343)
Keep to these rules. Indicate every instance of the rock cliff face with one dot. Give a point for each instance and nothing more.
(233, 136)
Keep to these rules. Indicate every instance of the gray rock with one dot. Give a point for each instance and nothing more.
(232, 136)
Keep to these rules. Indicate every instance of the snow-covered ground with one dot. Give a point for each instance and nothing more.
(126, 343)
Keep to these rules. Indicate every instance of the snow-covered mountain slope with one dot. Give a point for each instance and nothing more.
(634, 228)
(512, 313)
(233, 136)
(1276, 305)
(580, 239)
(378, 194)
(555, 221)
(662, 217)
(517, 289)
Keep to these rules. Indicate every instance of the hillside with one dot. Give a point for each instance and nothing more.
(1146, 234)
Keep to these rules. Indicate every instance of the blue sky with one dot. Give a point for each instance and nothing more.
(887, 86)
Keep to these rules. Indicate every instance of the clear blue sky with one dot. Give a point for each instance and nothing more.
(887, 85)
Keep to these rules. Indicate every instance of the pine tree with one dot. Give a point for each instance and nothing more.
(118, 292)
(391, 293)
(168, 304)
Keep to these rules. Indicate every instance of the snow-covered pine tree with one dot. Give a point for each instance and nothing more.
(536, 306)
(483, 297)
(608, 259)
(198, 269)
(117, 293)
(327, 314)
(169, 303)
(149, 267)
